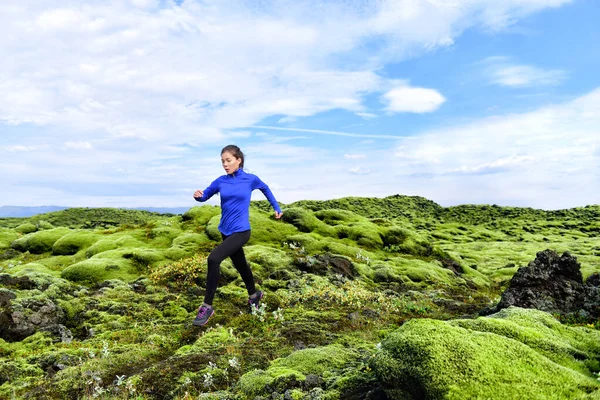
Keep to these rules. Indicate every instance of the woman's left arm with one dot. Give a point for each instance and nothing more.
(258, 184)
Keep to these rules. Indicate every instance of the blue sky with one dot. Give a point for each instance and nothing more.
(127, 103)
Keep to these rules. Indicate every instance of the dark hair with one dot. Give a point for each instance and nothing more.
(235, 151)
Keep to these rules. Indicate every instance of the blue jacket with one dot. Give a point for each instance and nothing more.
(235, 190)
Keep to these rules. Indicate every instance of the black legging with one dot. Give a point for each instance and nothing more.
(231, 246)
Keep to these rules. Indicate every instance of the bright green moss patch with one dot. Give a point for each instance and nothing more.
(317, 360)
(100, 269)
(114, 242)
(266, 229)
(435, 359)
(291, 370)
(269, 258)
(200, 215)
(7, 236)
(305, 221)
(26, 269)
(574, 348)
(338, 216)
(39, 242)
(26, 228)
(163, 235)
(72, 242)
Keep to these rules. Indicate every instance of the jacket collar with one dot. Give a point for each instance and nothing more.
(237, 173)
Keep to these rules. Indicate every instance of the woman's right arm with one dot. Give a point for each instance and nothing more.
(203, 195)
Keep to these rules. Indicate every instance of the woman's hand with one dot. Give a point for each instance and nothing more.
(198, 194)
(278, 214)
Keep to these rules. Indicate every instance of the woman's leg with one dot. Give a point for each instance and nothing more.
(239, 262)
(230, 245)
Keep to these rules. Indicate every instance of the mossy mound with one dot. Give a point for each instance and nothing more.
(39, 242)
(268, 258)
(7, 236)
(305, 221)
(266, 229)
(114, 242)
(96, 217)
(100, 269)
(291, 371)
(573, 347)
(200, 215)
(26, 228)
(337, 217)
(72, 242)
(29, 268)
(433, 359)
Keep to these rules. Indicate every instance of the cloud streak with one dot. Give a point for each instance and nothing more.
(503, 72)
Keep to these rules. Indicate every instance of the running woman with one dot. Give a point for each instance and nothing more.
(235, 189)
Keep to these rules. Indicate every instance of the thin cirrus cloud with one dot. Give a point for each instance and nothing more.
(355, 156)
(503, 71)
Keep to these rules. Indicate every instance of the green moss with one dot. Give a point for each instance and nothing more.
(163, 236)
(337, 216)
(421, 271)
(26, 228)
(212, 228)
(39, 242)
(254, 383)
(45, 225)
(17, 373)
(435, 359)
(191, 242)
(200, 215)
(290, 371)
(7, 236)
(114, 242)
(318, 360)
(269, 258)
(311, 242)
(72, 242)
(305, 221)
(266, 229)
(571, 347)
(214, 338)
(27, 269)
(100, 269)
(364, 234)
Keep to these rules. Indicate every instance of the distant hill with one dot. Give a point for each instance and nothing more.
(24, 211)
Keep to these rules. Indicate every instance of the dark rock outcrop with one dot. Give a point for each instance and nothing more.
(554, 284)
(327, 263)
(25, 319)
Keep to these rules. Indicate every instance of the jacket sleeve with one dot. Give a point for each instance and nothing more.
(260, 185)
(210, 191)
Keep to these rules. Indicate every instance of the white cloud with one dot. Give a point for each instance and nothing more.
(494, 166)
(78, 145)
(502, 71)
(18, 148)
(366, 115)
(359, 171)
(354, 156)
(413, 99)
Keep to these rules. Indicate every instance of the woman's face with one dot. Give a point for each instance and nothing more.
(230, 163)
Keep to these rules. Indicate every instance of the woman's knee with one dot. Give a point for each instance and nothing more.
(214, 261)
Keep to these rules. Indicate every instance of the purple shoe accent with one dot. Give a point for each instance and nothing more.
(254, 302)
(204, 313)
